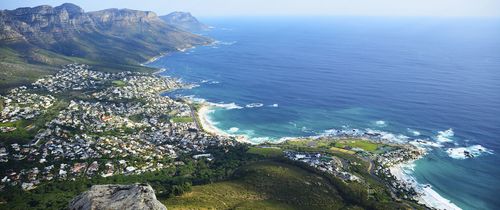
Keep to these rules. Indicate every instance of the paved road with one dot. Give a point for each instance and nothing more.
(195, 119)
(371, 171)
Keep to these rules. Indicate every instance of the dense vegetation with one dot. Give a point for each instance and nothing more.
(168, 182)
(263, 185)
(274, 182)
(239, 177)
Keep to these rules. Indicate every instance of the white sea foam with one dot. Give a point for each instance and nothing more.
(445, 136)
(227, 43)
(217, 43)
(342, 132)
(282, 139)
(194, 99)
(259, 140)
(380, 123)
(233, 129)
(468, 152)
(227, 106)
(399, 138)
(425, 143)
(273, 105)
(427, 196)
(413, 132)
(209, 81)
(254, 105)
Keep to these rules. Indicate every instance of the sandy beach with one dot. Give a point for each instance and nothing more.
(427, 196)
(209, 127)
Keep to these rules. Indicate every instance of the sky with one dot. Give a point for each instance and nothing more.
(446, 8)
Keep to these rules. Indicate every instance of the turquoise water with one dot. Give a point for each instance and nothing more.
(410, 78)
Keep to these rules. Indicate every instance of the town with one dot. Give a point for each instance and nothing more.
(84, 123)
(116, 123)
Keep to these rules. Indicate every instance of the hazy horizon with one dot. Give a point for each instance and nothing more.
(426, 8)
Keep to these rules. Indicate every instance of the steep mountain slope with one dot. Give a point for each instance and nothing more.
(185, 21)
(45, 37)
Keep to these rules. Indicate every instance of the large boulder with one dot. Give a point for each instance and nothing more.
(119, 197)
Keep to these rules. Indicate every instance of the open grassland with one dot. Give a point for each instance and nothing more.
(267, 152)
(338, 145)
(263, 185)
(182, 119)
(119, 83)
(363, 144)
(335, 149)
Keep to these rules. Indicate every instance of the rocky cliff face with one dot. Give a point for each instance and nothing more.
(116, 39)
(184, 21)
(123, 17)
(44, 23)
(137, 196)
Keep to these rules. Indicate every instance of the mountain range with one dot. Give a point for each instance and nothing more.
(36, 41)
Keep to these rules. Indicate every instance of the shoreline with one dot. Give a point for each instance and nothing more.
(153, 59)
(209, 127)
(426, 195)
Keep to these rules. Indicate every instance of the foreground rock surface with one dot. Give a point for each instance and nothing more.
(136, 196)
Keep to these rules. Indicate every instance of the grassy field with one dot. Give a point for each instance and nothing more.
(263, 185)
(119, 83)
(332, 144)
(267, 152)
(363, 144)
(335, 149)
(182, 119)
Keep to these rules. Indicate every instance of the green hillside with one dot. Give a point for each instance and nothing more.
(263, 185)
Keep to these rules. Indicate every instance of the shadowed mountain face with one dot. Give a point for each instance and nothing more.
(184, 21)
(111, 39)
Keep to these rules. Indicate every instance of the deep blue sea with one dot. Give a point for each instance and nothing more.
(436, 79)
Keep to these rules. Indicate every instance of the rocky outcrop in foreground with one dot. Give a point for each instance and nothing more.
(120, 197)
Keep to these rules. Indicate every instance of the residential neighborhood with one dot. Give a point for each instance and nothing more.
(118, 124)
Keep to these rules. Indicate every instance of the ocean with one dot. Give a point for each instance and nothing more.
(434, 79)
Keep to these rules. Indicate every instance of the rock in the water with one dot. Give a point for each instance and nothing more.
(120, 197)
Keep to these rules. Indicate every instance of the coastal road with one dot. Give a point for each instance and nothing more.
(195, 118)
(371, 171)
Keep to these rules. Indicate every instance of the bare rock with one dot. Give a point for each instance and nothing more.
(119, 197)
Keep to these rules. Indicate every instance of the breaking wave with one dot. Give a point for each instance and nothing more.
(445, 136)
(233, 129)
(254, 105)
(468, 152)
(227, 106)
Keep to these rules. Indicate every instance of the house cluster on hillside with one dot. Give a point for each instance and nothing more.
(137, 86)
(325, 163)
(121, 125)
(391, 158)
(77, 77)
(19, 104)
